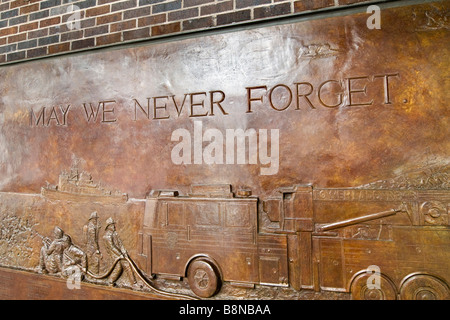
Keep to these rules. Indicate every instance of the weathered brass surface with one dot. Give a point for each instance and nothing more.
(21, 285)
(275, 162)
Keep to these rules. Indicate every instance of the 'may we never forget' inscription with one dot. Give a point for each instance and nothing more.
(327, 101)
(351, 92)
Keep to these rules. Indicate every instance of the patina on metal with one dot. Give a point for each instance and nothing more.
(308, 159)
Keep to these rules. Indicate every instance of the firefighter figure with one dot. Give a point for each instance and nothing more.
(118, 253)
(51, 254)
(74, 262)
(91, 231)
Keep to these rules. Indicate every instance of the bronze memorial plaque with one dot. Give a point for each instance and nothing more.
(300, 159)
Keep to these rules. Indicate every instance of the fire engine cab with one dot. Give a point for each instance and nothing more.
(302, 237)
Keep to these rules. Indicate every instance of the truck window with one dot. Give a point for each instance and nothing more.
(237, 215)
(150, 213)
(175, 214)
(204, 214)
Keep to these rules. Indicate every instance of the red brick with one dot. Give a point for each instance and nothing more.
(216, 8)
(59, 47)
(183, 14)
(272, 11)
(135, 13)
(100, 2)
(113, 21)
(58, 29)
(109, 18)
(251, 3)
(233, 17)
(86, 23)
(37, 33)
(124, 25)
(108, 39)
(154, 19)
(72, 35)
(122, 5)
(96, 11)
(79, 14)
(37, 52)
(30, 8)
(18, 3)
(17, 37)
(305, 5)
(4, 6)
(166, 29)
(83, 44)
(191, 3)
(49, 22)
(96, 31)
(15, 56)
(136, 34)
(29, 26)
(166, 6)
(201, 23)
(8, 31)
(345, 2)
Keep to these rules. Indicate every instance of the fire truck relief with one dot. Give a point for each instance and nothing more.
(302, 240)
(383, 240)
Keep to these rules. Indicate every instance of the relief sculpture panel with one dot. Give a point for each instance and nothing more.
(304, 160)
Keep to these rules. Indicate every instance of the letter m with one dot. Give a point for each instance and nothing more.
(37, 118)
(240, 136)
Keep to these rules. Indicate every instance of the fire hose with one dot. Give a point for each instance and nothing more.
(134, 268)
(141, 276)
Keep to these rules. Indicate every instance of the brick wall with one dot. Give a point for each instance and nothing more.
(33, 28)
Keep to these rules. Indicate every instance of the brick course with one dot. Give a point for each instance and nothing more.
(32, 28)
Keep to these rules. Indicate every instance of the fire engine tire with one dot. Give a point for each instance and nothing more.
(203, 278)
(424, 287)
(362, 290)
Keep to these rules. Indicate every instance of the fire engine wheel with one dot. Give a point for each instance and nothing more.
(424, 287)
(203, 278)
(363, 289)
